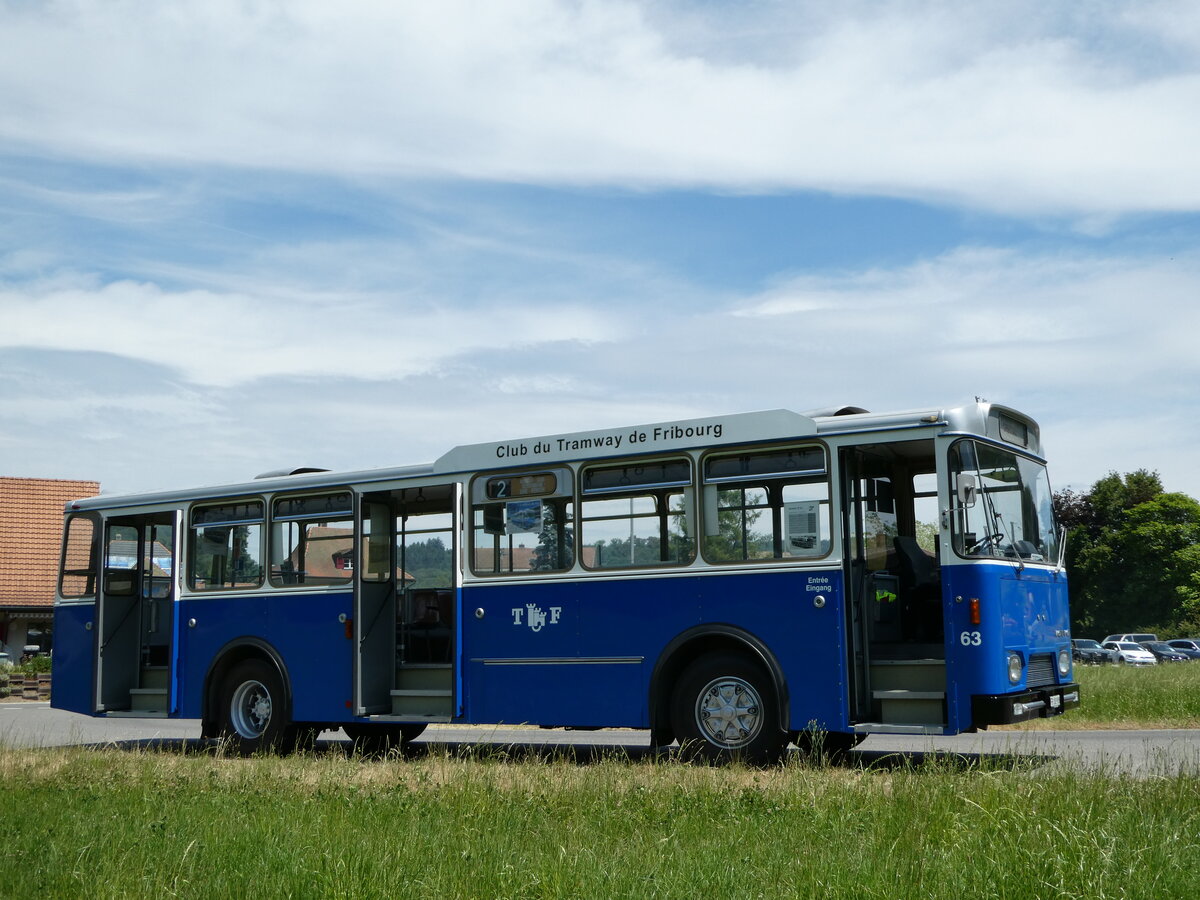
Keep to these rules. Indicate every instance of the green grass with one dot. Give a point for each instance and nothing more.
(119, 823)
(1163, 696)
(144, 823)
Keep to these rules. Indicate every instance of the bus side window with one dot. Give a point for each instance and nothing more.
(522, 523)
(637, 513)
(766, 505)
(80, 543)
(226, 546)
(312, 540)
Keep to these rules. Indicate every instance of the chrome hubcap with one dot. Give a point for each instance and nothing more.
(729, 712)
(251, 709)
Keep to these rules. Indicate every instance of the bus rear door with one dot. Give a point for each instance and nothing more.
(407, 605)
(136, 645)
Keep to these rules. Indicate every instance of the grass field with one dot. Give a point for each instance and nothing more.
(117, 823)
(1163, 696)
(169, 823)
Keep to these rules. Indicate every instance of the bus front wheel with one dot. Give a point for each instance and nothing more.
(253, 709)
(724, 708)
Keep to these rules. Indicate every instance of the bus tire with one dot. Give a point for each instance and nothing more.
(724, 708)
(254, 710)
(373, 739)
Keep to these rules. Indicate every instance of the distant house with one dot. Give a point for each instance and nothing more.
(328, 555)
(31, 517)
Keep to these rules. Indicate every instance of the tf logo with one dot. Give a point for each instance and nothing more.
(536, 617)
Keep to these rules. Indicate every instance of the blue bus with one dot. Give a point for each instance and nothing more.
(730, 583)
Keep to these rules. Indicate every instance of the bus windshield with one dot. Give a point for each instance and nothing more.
(1010, 514)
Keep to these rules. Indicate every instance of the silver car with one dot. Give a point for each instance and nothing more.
(1131, 654)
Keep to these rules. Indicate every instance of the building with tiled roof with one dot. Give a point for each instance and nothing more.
(31, 519)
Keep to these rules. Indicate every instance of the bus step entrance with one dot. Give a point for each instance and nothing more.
(911, 707)
(152, 695)
(888, 728)
(425, 690)
(909, 691)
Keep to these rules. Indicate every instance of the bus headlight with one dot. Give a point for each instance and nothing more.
(1064, 662)
(1015, 667)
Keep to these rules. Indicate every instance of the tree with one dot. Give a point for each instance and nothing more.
(736, 537)
(552, 553)
(1113, 495)
(429, 563)
(1158, 546)
(1073, 510)
(1133, 555)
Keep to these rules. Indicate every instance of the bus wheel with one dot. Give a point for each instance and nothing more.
(373, 739)
(724, 708)
(252, 707)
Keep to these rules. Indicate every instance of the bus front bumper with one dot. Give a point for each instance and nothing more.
(1037, 703)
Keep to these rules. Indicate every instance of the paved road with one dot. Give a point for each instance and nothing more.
(1140, 753)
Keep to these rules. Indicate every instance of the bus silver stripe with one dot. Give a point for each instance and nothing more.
(564, 661)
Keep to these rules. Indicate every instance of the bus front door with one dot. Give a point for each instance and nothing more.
(135, 616)
(897, 650)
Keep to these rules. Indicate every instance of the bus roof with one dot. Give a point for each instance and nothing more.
(662, 437)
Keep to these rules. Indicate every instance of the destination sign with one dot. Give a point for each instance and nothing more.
(777, 424)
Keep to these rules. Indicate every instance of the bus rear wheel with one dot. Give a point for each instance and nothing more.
(724, 708)
(253, 710)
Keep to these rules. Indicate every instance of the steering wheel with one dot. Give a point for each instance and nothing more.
(987, 540)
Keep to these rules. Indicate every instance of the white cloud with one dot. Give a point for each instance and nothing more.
(997, 320)
(1098, 349)
(224, 339)
(1009, 106)
(1078, 313)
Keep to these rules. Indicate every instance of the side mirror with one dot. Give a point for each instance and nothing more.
(968, 490)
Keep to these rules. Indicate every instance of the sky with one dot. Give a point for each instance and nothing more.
(237, 236)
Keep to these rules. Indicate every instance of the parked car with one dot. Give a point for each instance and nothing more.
(1131, 654)
(1086, 650)
(1136, 638)
(1165, 652)
(1187, 645)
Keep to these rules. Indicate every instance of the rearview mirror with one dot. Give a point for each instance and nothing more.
(967, 490)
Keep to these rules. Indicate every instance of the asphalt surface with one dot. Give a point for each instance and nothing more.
(1136, 753)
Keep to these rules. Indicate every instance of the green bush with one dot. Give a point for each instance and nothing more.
(5, 689)
(36, 666)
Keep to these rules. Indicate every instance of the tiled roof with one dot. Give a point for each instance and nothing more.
(31, 516)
